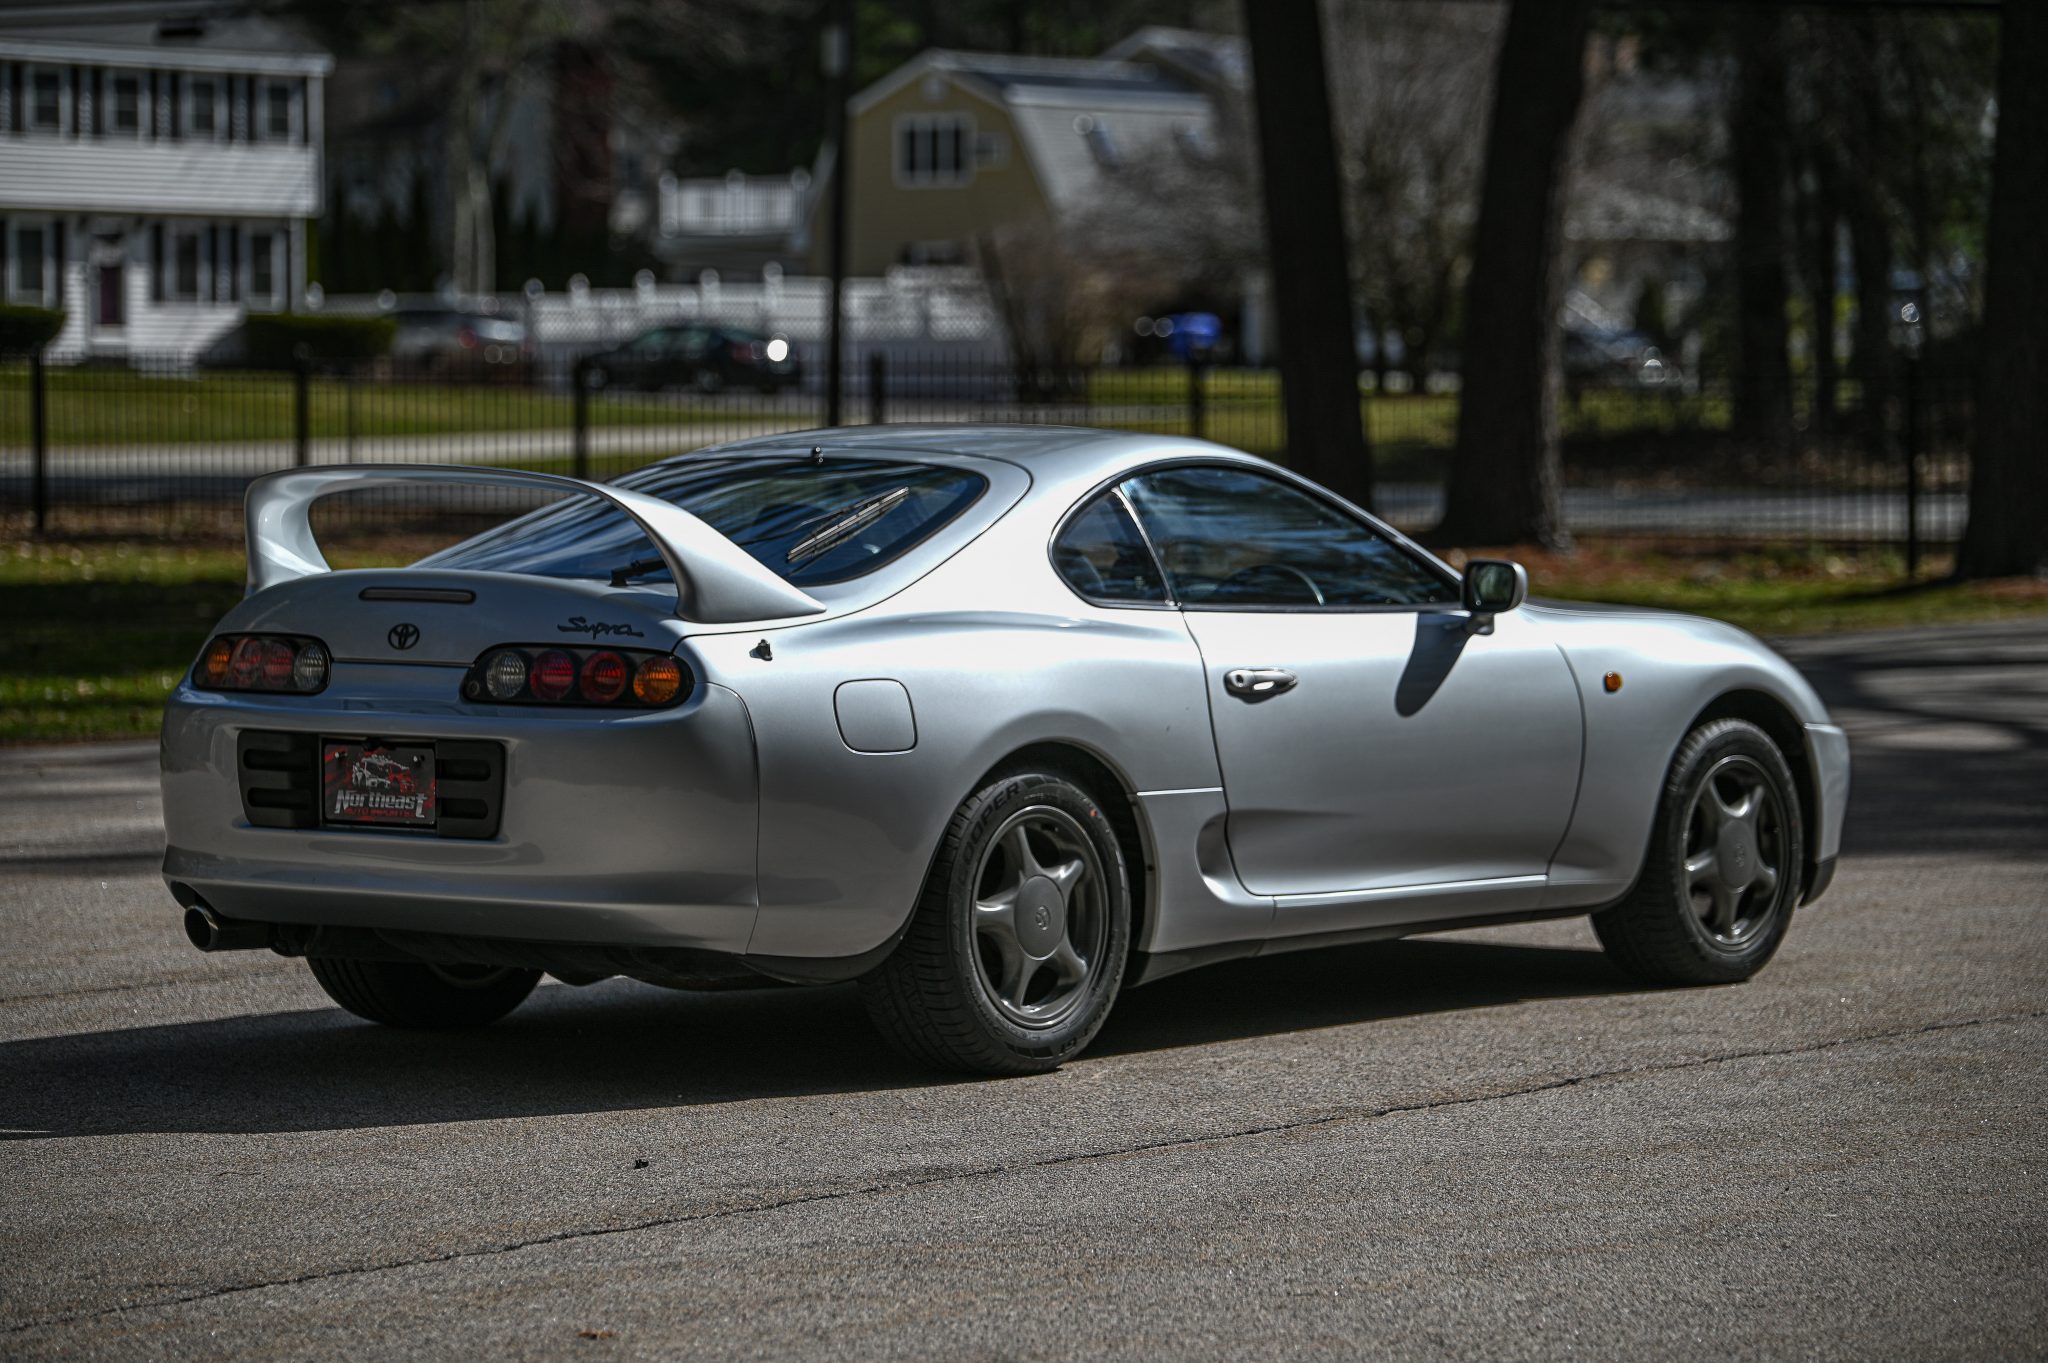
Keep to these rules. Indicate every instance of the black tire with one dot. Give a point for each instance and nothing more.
(1667, 930)
(423, 997)
(935, 997)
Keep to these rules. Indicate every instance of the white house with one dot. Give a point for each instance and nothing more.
(156, 173)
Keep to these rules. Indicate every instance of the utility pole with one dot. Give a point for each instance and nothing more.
(837, 61)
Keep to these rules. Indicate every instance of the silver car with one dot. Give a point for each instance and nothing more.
(996, 721)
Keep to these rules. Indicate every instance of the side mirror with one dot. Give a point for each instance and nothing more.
(1493, 585)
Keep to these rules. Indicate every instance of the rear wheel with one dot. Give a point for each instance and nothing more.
(422, 996)
(1016, 949)
(1717, 890)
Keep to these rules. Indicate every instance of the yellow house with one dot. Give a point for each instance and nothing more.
(952, 145)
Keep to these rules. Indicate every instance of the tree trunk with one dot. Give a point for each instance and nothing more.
(1503, 486)
(1763, 384)
(1306, 244)
(2008, 526)
(1817, 222)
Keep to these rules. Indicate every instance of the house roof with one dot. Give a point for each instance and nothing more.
(1076, 118)
(1214, 60)
(197, 36)
(1080, 81)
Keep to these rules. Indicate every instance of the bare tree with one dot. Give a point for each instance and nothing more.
(1060, 299)
(1412, 77)
(1503, 486)
(2008, 527)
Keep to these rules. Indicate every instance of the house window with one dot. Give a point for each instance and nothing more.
(125, 104)
(27, 268)
(263, 269)
(185, 265)
(1101, 145)
(202, 106)
(277, 111)
(934, 149)
(46, 99)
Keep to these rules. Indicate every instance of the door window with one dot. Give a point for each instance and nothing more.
(1103, 557)
(1238, 539)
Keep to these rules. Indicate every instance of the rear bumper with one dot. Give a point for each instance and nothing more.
(633, 829)
(1827, 757)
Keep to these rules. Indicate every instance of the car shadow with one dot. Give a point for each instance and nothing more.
(622, 1046)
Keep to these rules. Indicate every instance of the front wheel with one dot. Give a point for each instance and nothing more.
(1016, 949)
(422, 996)
(1723, 872)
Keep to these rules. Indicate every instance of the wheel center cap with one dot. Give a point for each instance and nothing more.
(1735, 850)
(1041, 920)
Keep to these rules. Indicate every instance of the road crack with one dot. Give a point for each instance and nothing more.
(887, 1187)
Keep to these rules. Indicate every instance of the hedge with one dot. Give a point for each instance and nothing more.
(24, 329)
(277, 338)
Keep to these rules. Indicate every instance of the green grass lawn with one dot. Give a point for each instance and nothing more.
(97, 633)
(119, 407)
(92, 406)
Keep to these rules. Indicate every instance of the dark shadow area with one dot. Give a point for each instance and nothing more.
(621, 1047)
(1435, 652)
(1949, 740)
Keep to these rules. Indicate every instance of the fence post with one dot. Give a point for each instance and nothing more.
(579, 418)
(302, 409)
(1198, 400)
(39, 438)
(348, 380)
(1912, 444)
(878, 388)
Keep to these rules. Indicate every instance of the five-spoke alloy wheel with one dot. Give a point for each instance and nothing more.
(1017, 947)
(1724, 866)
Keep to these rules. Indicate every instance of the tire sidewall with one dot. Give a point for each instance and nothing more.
(1694, 762)
(990, 809)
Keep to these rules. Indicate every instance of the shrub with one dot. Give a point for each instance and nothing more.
(274, 340)
(23, 329)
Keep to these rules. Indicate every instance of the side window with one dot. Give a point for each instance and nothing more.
(1237, 539)
(1103, 557)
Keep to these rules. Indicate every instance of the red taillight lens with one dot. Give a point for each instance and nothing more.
(614, 678)
(658, 680)
(245, 669)
(603, 678)
(554, 672)
(278, 657)
(262, 662)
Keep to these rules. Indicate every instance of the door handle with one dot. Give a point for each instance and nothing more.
(1257, 683)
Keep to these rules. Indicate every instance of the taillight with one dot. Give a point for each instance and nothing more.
(614, 678)
(281, 663)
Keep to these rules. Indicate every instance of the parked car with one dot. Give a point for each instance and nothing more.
(1604, 358)
(459, 344)
(706, 357)
(997, 721)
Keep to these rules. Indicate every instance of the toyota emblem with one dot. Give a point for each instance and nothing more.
(403, 635)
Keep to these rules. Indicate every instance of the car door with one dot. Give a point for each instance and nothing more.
(1370, 737)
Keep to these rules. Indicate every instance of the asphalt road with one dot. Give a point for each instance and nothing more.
(1480, 1146)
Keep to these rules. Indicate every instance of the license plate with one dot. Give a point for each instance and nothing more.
(367, 783)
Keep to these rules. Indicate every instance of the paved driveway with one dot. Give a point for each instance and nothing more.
(1486, 1145)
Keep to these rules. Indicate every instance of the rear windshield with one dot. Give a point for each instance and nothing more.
(810, 523)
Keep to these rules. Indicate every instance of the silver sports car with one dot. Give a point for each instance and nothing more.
(994, 720)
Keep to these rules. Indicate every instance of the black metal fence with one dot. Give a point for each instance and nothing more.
(156, 447)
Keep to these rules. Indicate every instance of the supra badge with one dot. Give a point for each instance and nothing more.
(403, 635)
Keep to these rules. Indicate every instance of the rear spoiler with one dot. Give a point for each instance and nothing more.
(717, 582)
